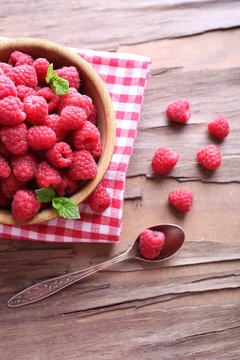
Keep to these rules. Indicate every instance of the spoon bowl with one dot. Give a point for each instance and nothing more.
(174, 239)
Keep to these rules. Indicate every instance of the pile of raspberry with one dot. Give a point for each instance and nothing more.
(46, 140)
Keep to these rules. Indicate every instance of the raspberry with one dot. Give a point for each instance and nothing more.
(83, 166)
(70, 74)
(60, 155)
(72, 117)
(15, 138)
(24, 91)
(53, 121)
(46, 175)
(7, 87)
(67, 186)
(4, 151)
(23, 75)
(51, 98)
(86, 137)
(11, 111)
(41, 137)
(151, 243)
(219, 127)
(36, 109)
(19, 58)
(92, 117)
(5, 169)
(4, 201)
(97, 150)
(181, 199)
(41, 66)
(179, 111)
(75, 99)
(99, 200)
(11, 185)
(24, 166)
(5, 68)
(209, 157)
(25, 205)
(164, 160)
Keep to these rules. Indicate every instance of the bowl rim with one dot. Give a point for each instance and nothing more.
(47, 214)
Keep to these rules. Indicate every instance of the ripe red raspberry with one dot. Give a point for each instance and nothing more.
(24, 91)
(15, 138)
(164, 160)
(11, 111)
(51, 98)
(24, 166)
(23, 75)
(151, 243)
(70, 74)
(99, 200)
(60, 155)
(4, 151)
(83, 166)
(92, 117)
(47, 175)
(97, 150)
(181, 199)
(209, 157)
(41, 137)
(5, 169)
(53, 121)
(41, 66)
(25, 205)
(74, 98)
(86, 137)
(4, 201)
(72, 117)
(7, 87)
(179, 111)
(11, 185)
(5, 68)
(219, 127)
(19, 58)
(67, 186)
(36, 109)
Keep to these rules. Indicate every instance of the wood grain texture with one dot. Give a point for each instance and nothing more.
(107, 24)
(188, 309)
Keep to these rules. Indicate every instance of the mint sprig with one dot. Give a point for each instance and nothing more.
(59, 85)
(65, 207)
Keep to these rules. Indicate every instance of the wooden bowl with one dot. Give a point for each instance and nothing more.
(91, 85)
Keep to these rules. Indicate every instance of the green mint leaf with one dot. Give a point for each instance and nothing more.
(59, 86)
(49, 73)
(45, 194)
(65, 207)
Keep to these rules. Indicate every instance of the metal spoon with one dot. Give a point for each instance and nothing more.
(174, 239)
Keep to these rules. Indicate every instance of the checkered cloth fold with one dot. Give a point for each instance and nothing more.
(125, 76)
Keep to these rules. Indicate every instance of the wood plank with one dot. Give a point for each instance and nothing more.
(178, 333)
(116, 23)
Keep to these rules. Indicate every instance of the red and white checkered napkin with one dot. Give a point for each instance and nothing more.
(125, 76)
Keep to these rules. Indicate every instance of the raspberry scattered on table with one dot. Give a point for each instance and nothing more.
(219, 127)
(151, 243)
(179, 111)
(99, 200)
(164, 160)
(209, 157)
(181, 199)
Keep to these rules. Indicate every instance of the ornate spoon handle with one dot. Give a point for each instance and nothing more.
(46, 288)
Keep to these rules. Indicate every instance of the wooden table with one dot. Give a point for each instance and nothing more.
(188, 308)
